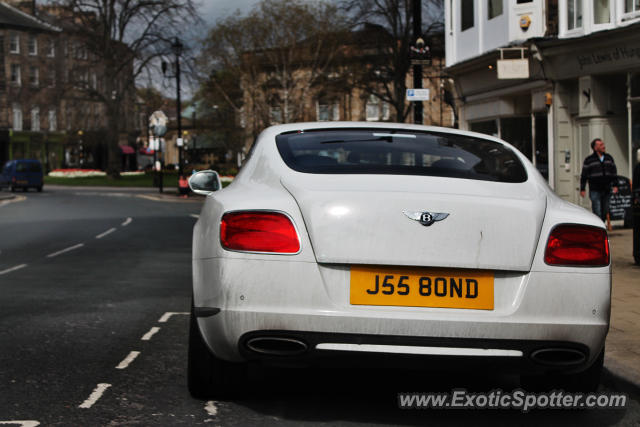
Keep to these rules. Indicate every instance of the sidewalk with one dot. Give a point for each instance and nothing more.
(169, 194)
(622, 355)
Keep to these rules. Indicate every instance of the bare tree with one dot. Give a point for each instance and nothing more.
(385, 74)
(278, 53)
(124, 39)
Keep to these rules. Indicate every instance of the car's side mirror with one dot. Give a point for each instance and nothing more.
(205, 182)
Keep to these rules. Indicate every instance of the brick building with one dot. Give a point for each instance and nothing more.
(50, 109)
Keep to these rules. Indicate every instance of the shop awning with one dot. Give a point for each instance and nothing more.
(127, 150)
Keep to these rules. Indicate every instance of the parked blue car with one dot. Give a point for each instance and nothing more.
(22, 173)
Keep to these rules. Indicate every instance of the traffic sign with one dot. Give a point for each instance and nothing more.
(417, 94)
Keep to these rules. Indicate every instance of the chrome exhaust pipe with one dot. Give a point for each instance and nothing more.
(276, 346)
(558, 356)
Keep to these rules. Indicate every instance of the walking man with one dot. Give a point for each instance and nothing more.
(600, 171)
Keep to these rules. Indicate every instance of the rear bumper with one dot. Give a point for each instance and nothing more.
(421, 352)
(533, 311)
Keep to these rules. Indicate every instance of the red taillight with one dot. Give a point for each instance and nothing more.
(577, 245)
(256, 231)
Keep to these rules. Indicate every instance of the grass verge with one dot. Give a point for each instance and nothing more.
(146, 180)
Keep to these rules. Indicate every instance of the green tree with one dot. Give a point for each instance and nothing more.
(275, 55)
(124, 39)
(388, 65)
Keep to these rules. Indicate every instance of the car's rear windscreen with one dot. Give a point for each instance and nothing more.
(393, 152)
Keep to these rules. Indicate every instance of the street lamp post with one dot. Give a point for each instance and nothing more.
(177, 47)
(417, 68)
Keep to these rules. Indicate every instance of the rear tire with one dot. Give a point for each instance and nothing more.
(208, 376)
(586, 381)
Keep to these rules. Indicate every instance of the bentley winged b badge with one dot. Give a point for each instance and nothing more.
(426, 218)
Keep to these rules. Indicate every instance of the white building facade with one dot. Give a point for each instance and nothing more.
(576, 77)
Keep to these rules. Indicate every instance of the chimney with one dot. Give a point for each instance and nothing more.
(25, 6)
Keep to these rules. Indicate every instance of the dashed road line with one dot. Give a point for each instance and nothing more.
(9, 270)
(22, 423)
(211, 408)
(127, 360)
(70, 248)
(94, 396)
(148, 335)
(109, 231)
(194, 215)
(12, 200)
(127, 222)
(168, 315)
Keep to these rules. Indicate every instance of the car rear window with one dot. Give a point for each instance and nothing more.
(28, 167)
(380, 151)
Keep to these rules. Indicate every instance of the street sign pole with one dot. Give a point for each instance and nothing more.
(417, 68)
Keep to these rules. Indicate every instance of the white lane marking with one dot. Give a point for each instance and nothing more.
(22, 423)
(211, 408)
(13, 200)
(9, 270)
(127, 360)
(168, 315)
(70, 248)
(127, 222)
(94, 396)
(195, 215)
(109, 231)
(148, 335)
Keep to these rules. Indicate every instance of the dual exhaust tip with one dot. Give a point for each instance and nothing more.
(277, 346)
(288, 346)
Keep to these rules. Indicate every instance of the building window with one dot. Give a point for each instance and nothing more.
(495, 8)
(14, 43)
(80, 51)
(466, 14)
(373, 108)
(51, 49)
(16, 79)
(35, 119)
(574, 14)
(33, 45)
(17, 117)
(631, 6)
(377, 110)
(386, 111)
(276, 115)
(94, 81)
(601, 11)
(53, 120)
(34, 76)
(326, 111)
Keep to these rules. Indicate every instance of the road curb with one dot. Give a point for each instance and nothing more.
(621, 370)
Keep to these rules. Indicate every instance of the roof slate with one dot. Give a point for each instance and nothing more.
(12, 17)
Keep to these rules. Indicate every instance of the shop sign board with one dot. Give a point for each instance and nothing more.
(513, 68)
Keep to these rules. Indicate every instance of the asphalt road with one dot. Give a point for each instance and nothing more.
(94, 290)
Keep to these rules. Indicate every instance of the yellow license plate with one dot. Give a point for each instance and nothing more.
(422, 287)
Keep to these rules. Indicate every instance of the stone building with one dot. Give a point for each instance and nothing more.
(549, 76)
(340, 94)
(53, 82)
(30, 119)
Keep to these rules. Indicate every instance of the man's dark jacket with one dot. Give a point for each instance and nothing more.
(600, 174)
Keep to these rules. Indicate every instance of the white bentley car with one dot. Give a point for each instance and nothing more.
(360, 240)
